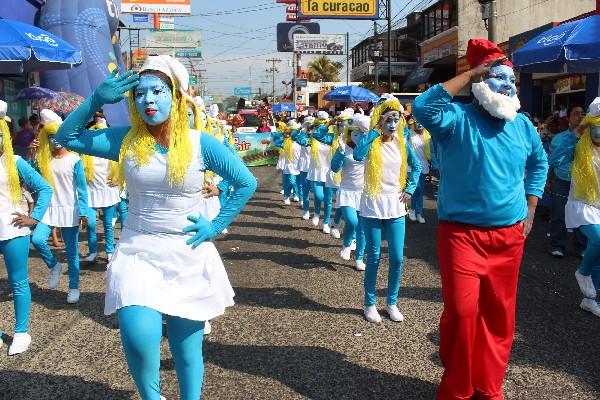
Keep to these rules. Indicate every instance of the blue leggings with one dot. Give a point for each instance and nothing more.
(590, 265)
(71, 236)
(353, 228)
(16, 253)
(318, 194)
(303, 185)
(289, 185)
(394, 232)
(337, 218)
(328, 195)
(416, 202)
(141, 333)
(123, 208)
(108, 213)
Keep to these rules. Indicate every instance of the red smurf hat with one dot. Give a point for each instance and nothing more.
(480, 51)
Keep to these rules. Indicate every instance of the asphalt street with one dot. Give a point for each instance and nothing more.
(297, 330)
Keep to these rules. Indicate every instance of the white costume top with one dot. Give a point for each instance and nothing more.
(100, 193)
(577, 212)
(304, 159)
(280, 162)
(7, 207)
(291, 166)
(318, 172)
(63, 210)
(417, 142)
(387, 204)
(153, 266)
(353, 181)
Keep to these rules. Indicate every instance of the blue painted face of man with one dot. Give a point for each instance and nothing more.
(54, 145)
(502, 80)
(595, 134)
(153, 99)
(389, 123)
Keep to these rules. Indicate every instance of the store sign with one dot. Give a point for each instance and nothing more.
(300, 83)
(140, 17)
(156, 6)
(438, 53)
(179, 38)
(319, 44)
(188, 54)
(245, 92)
(345, 9)
(286, 32)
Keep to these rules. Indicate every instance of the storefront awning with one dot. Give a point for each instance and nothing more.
(417, 77)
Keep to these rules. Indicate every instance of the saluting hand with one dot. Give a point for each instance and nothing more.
(114, 87)
(482, 72)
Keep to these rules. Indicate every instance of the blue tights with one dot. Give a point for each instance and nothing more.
(590, 265)
(141, 333)
(289, 185)
(108, 213)
(337, 218)
(123, 208)
(319, 195)
(303, 185)
(394, 232)
(416, 202)
(353, 227)
(16, 253)
(71, 236)
(328, 195)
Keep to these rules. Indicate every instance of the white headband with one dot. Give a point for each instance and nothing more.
(169, 66)
(49, 116)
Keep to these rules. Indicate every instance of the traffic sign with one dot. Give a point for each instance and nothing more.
(188, 54)
(242, 91)
(209, 97)
(193, 80)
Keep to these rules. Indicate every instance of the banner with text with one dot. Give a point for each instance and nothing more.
(256, 149)
(344, 9)
(320, 44)
(156, 6)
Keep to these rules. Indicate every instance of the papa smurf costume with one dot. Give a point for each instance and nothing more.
(388, 186)
(188, 282)
(15, 228)
(68, 207)
(486, 206)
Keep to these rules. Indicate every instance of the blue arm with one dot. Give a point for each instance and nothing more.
(562, 151)
(223, 186)
(81, 186)
(434, 156)
(322, 135)
(536, 165)
(303, 139)
(364, 145)
(295, 134)
(35, 183)
(415, 170)
(337, 161)
(103, 143)
(434, 109)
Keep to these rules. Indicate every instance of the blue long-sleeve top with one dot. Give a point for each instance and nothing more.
(106, 143)
(323, 135)
(433, 150)
(361, 150)
(337, 161)
(36, 184)
(303, 139)
(81, 187)
(562, 150)
(483, 161)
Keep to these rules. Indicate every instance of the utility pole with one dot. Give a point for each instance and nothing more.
(389, 38)
(347, 58)
(273, 70)
(492, 22)
(376, 56)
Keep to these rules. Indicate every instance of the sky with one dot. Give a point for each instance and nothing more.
(238, 36)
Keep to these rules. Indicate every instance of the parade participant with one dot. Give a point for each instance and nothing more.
(15, 224)
(351, 188)
(302, 182)
(420, 141)
(290, 151)
(486, 207)
(163, 265)
(68, 207)
(319, 164)
(583, 207)
(278, 135)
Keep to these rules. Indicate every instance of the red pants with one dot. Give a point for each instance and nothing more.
(480, 270)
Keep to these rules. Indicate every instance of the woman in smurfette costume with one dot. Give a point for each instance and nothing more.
(162, 264)
(388, 189)
(68, 207)
(420, 141)
(302, 182)
(319, 161)
(290, 150)
(351, 188)
(15, 227)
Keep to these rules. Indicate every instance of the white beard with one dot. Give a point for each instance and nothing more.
(498, 105)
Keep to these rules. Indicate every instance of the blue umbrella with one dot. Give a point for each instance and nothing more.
(283, 107)
(570, 47)
(25, 48)
(36, 93)
(352, 94)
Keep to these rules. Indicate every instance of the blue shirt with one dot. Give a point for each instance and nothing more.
(559, 158)
(482, 161)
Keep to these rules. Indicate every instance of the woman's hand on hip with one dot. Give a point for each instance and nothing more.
(203, 228)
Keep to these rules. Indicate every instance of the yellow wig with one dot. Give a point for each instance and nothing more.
(374, 161)
(43, 154)
(585, 181)
(14, 185)
(337, 176)
(288, 146)
(314, 143)
(139, 143)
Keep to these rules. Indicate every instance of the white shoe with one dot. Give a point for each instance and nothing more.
(55, 274)
(224, 231)
(345, 253)
(287, 201)
(372, 315)
(20, 343)
(360, 265)
(326, 229)
(91, 257)
(301, 204)
(335, 233)
(73, 296)
(281, 191)
(591, 306)
(394, 313)
(163, 398)
(109, 256)
(207, 328)
(353, 245)
(586, 285)
(296, 199)
(411, 215)
(315, 220)
(306, 216)
(420, 219)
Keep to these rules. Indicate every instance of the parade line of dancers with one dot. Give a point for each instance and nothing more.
(176, 181)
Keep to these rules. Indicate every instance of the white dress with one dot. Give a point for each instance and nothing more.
(152, 265)
(304, 159)
(290, 166)
(100, 194)
(211, 206)
(63, 210)
(577, 212)
(387, 204)
(417, 142)
(353, 182)
(7, 207)
(318, 170)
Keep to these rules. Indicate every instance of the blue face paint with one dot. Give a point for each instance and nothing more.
(595, 134)
(502, 80)
(355, 136)
(390, 123)
(191, 117)
(153, 99)
(54, 145)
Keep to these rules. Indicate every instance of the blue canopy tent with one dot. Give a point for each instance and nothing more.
(351, 94)
(283, 107)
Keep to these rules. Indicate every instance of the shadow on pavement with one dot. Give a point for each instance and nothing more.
(36, 386)
(273, 227)
(416, 293)
(293, 260)
(280, 241)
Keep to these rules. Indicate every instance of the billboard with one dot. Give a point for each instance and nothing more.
(156, 6)
(245, 92)
(319, 44)
(346, 9)
(286, 32)
(174, 39)
(256, 149)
